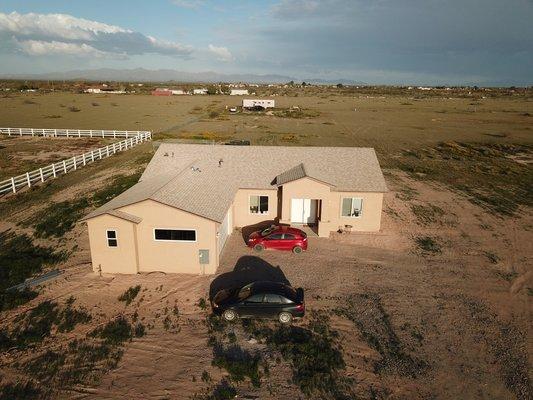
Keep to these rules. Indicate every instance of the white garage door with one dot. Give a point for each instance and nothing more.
(303, 211)
(224, 231)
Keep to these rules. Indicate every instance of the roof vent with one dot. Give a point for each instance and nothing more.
(220, 162)
(195, 169)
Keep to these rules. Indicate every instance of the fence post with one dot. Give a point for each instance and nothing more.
(114, 134)
(32, 132)
(41, 174)
(79, 133)
(54, 170)
(91, 132)
(107, 150)
(74, 160)
(92, 156)
(14, 188)
(28, 179)
(83, 157)
(67, 132)
(65, 166)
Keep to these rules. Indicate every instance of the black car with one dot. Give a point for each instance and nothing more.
(260, 300)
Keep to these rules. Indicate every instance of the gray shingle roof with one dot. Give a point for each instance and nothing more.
(292, 174)
(203, 179)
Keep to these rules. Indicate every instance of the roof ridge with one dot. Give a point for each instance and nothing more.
(190, 165)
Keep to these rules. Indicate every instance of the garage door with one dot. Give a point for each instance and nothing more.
(224, 231)
(303, 211)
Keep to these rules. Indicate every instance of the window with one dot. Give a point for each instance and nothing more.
(352, 207)
(275, 236)
(259, 204)
(289, 236)
(256, 298)
(111, 238)
(272, 298)
(178, 235)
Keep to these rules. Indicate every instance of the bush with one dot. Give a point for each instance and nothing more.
(129, 295)
(20, 391)
(74, 109)
(238, 362)
(59, 218)
(428, 244)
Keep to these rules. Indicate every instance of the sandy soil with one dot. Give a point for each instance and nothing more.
(463, 312)
(464, 316)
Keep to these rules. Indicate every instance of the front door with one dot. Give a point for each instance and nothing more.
(303, 211)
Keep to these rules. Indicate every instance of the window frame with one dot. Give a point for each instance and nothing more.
(351, 207)
(107, 238)
(258, 212)
(175, 229)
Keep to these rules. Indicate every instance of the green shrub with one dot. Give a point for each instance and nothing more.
(129, 295)
(20, 391)
(428, 244)
(238, 362)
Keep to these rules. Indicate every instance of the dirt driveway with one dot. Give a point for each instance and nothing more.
(411, 325)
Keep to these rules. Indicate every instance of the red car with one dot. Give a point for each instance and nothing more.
(280, 238)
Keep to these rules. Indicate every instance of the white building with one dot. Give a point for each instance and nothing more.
(250, 103)
(199, 91)
(178, 91)
(239, 92)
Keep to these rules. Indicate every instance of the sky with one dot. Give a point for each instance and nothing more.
(434, 42)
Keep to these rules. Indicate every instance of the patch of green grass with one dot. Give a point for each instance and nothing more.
(313, 352)
(20, 391)
(37, 324)
(118, 331)
(429, 214)
(130, 294)
(239, 363)
(59, 218)
(19, 260)
(428, 244)
(487, 174)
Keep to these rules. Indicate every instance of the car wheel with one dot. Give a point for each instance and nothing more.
(285, 318)
(230, 315)
(259, 247)
(297, 250)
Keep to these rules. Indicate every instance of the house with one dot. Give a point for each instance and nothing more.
(251, 103)
(239, 92)
(161, 92)
(190, 198)
(199, 91)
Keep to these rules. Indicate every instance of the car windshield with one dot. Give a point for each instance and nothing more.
(268, 231)
(245, 292)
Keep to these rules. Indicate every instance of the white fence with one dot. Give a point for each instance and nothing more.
(12, 185)
(69, 132)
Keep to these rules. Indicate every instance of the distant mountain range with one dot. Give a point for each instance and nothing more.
(166, 75)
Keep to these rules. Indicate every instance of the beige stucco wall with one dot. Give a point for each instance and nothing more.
(370, 219)
(115, 260)
(241, 207)
(330, 218)
(304, 188)
(172, 256)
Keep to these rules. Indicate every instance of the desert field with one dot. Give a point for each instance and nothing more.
(436, 305)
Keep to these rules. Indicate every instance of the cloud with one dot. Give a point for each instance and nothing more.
(65, 34)
(222, 53)
(41, 48)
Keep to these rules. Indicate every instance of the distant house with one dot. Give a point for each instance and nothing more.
(104, 89)
(239, 92)
(251, 103)
(200, 91)
(190, 198)
(161, 92)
